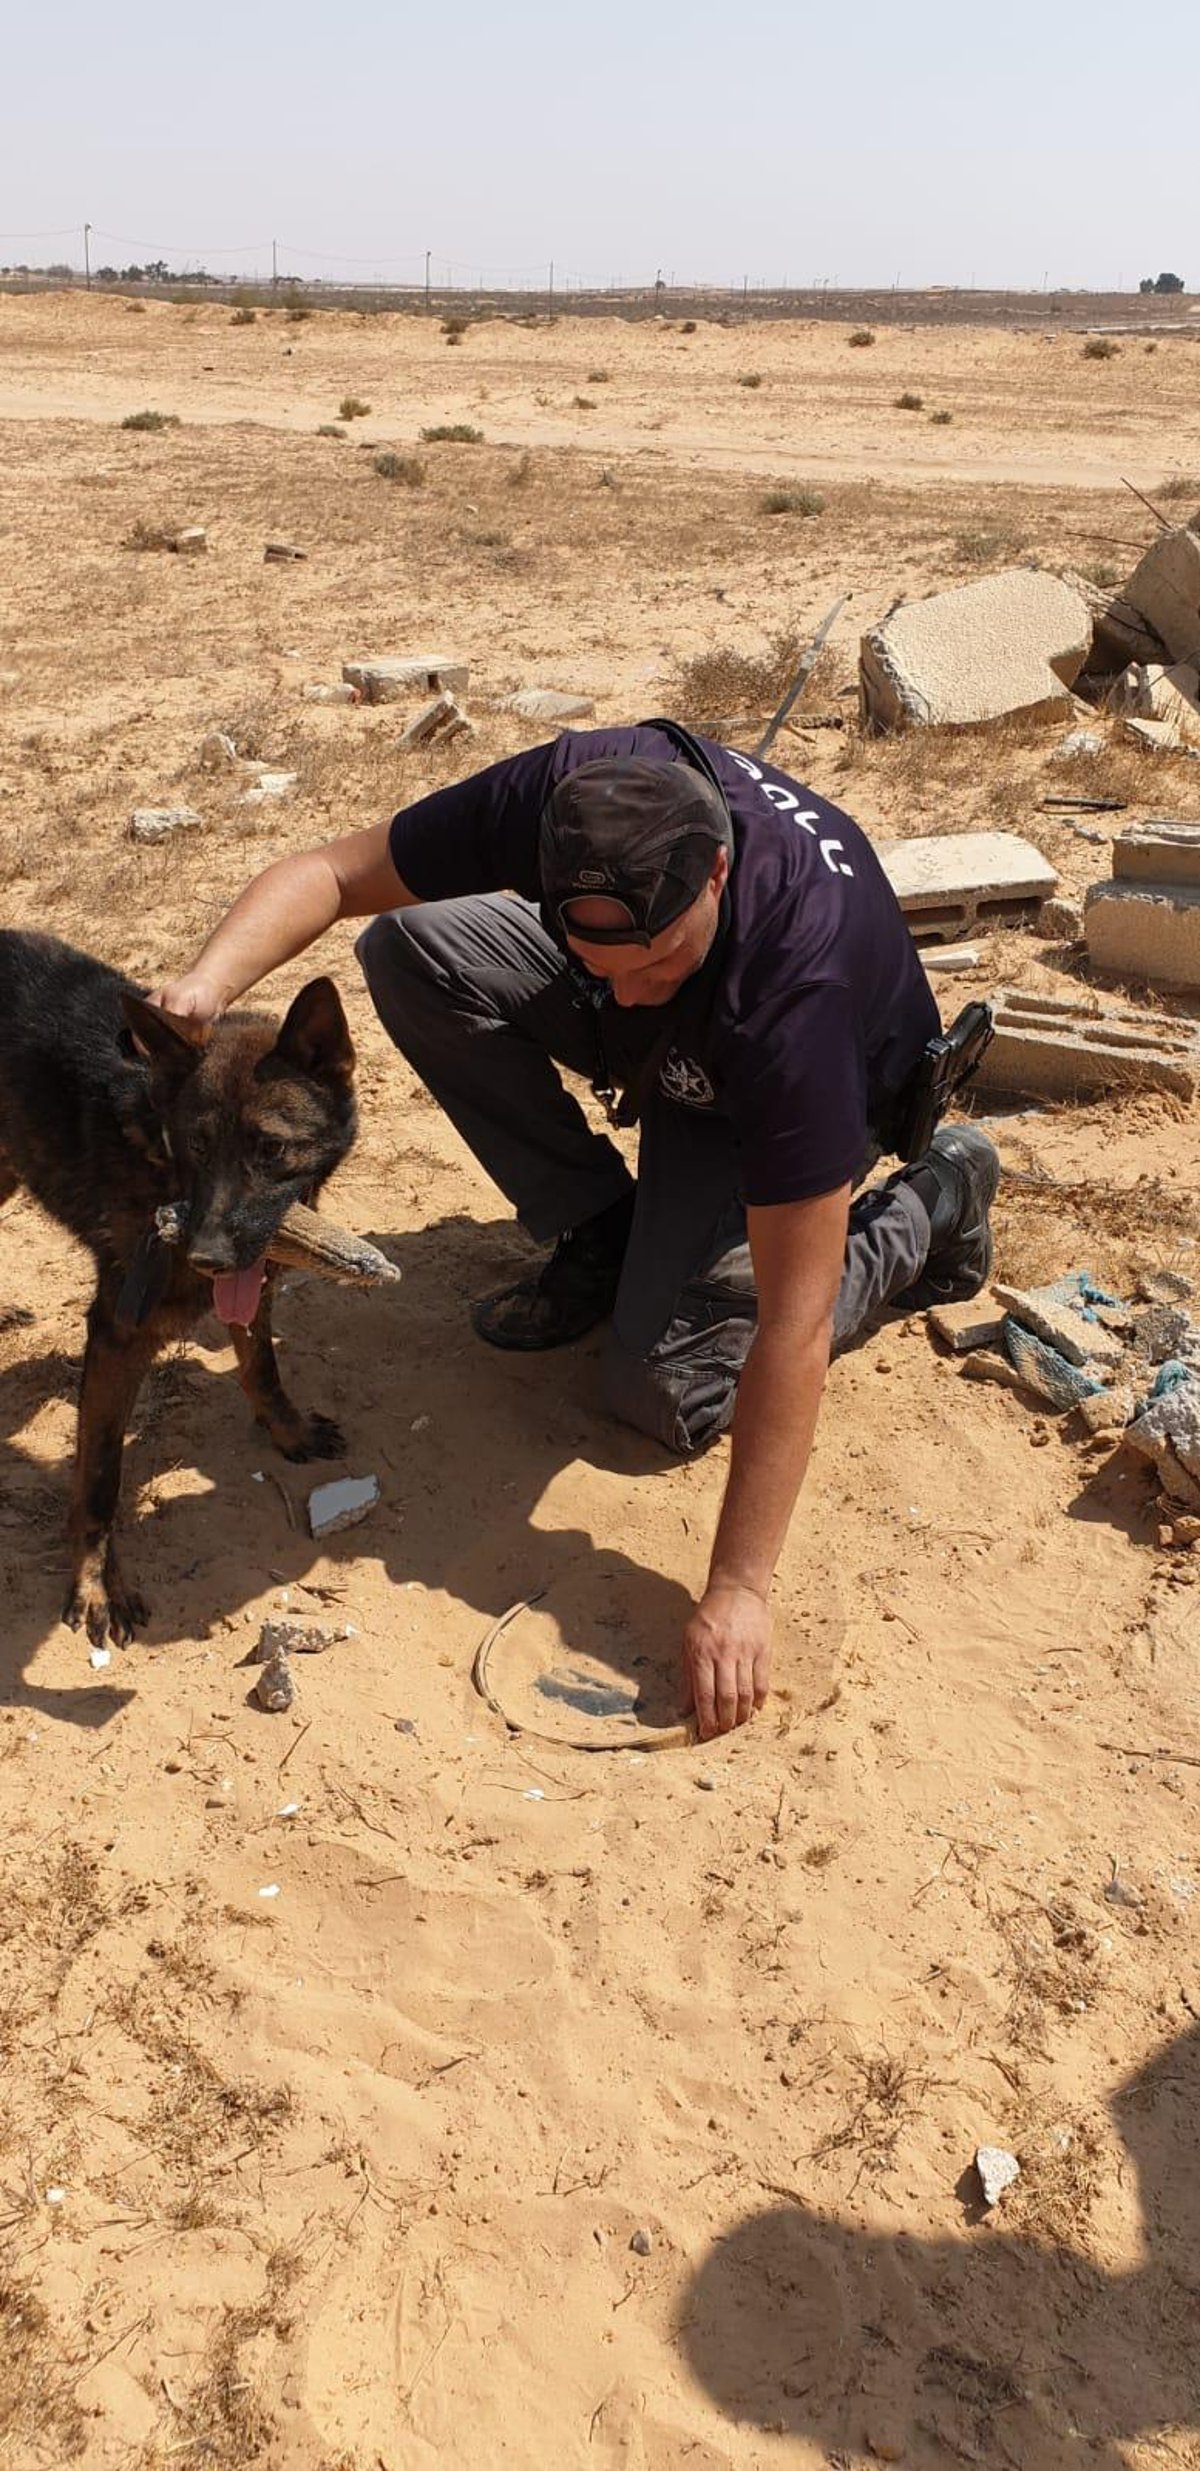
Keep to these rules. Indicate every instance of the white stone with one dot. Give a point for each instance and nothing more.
(1146, 930)
(961, 957)
(191, 542)
(341, 1504)
(269, 785)
(544, 703)
(343, 694)
(1164, 588)
(158, 823)
(1012, 643)
(997, 2171)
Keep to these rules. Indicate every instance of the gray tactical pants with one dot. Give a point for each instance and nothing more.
(482, 1004)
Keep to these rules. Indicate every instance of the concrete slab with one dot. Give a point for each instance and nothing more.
(1013, 643)
(1157, 852)
(158, 823)
(1164, 588)
(388, 681)
(1150, 692)
(1147, 931)
(963, 1327)
(1073, 1048)
(947, 884)
(1055, 1315)
(544, 703)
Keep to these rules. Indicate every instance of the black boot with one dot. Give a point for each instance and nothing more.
(956, 1181)
(576, 1289)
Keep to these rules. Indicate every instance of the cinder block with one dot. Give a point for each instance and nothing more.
(388, 681)
(1157, 852)
(1164, 588)
(1062, 1047)
(1146, 930)
(1013, 643)
(953, 881)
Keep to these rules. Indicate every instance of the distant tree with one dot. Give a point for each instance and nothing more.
(61, 270)
(1146, 284)
(107, 274)
(1170, 283)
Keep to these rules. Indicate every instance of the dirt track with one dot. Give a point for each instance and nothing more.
(346, 2177)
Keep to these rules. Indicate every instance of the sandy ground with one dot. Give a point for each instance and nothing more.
(345, 2177)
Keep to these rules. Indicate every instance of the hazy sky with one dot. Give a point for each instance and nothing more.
(933, 142)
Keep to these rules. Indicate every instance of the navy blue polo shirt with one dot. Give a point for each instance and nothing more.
(822, 1008)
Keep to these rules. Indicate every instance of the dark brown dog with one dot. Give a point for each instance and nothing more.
(108, 1111)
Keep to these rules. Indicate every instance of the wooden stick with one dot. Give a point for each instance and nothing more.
(1128, 1750)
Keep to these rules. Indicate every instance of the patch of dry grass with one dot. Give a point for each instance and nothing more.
(722, 685)
(224, 2422)
(38, 2411)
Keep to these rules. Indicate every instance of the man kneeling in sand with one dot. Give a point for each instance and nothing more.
(695, 931)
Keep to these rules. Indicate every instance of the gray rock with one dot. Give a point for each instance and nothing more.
(1079, 742)
(642, 2244)
(343, 694)
(341, 1504)
(997, 2171)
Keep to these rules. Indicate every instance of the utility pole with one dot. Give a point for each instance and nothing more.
(87, 257)
(275, 265)
(428, 255)
(551, 287)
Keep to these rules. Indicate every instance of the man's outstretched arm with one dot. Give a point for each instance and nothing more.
(798, 1249)
(281, 913)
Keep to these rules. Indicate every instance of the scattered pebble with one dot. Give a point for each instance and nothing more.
(99, 1658)
(997, 2171)
(287, 1810)
(707, 1784)
(641, 2244)
(56, 2196)
(271, 1890)
(534, 1793)
(274, 1688)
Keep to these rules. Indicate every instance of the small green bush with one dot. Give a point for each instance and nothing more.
(861, 337)
(352, 407)
(941, 420)
(452, 433)
(151, 420)
(908, 402)
(244, 316)
(793, 502)
(408, 468)
(751, 378)
(1099, 347)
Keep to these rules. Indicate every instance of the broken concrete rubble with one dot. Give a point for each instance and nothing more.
(947, 883)
(544, 703)
(1013, 643)
(1164, 589)
(1157, 852)
(158, 823)
(1063, 1316)
(1149, 692)
(1075, 1046)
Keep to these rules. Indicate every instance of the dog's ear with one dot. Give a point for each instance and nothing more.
(314, 1038)
(173, 1047)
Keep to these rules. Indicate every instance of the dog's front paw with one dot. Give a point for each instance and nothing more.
(99, 1602)
(312, 1437)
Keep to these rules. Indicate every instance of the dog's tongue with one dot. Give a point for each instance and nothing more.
(236, 1293)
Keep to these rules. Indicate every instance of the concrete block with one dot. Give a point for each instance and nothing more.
(542, 703)
(389, 681)
(1155, 737)
(1147, 931)
(432, 718)
(1164, 588)
(282, 553)
(190, 543)
(1074, 1047)
(1149, 691)
(1013, 643)
(158, 823)
(951, 882)
(1157, 852)
(1062, 918)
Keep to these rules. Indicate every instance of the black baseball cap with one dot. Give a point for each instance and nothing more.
(625, 829)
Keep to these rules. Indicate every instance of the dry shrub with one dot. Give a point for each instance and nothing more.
(598, 377)
(452, 433)
(887, 2095)
(750, 378)
(583, 403)
(720, 685)
(941, 420)
(1179, 485)
(1099, 347)
(519, 474)
(352, 407)
(152, 421)
(793, 502)
(908, 402)
(244, 316)
(987, 548)
(224, 2422)
(861, 338)
(406, 468)
(330, 429)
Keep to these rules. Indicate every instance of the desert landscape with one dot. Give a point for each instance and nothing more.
(352, 2117)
